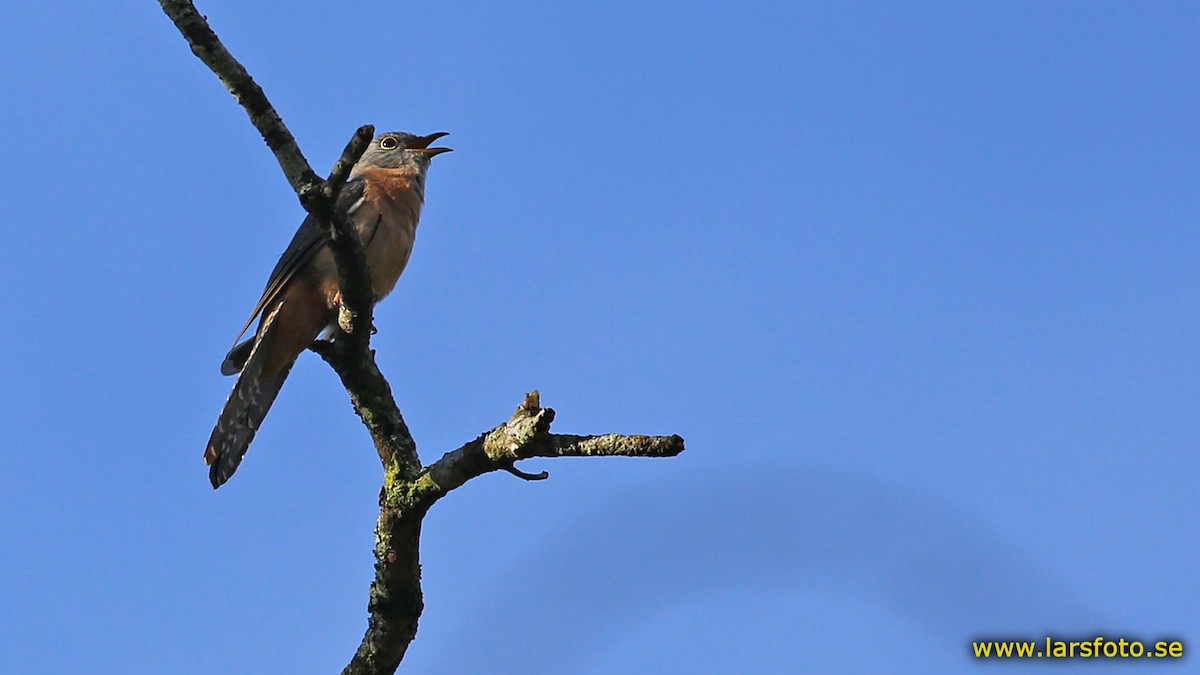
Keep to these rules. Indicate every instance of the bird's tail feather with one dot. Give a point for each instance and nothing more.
(235, 360)
(245, 408)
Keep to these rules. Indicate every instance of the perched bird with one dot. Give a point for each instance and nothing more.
(383, 198)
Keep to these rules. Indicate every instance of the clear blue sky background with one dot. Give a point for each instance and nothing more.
(919, 285)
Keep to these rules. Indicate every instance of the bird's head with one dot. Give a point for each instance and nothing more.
(399, 150)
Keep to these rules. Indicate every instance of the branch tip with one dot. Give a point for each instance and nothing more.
(350, 155)
(542, 475)
(533, 401)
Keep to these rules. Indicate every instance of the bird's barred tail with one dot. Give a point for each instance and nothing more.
(245, 408)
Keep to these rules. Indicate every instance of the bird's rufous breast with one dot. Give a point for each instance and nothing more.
(387, 222)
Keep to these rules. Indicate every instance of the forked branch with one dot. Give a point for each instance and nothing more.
(409, 489)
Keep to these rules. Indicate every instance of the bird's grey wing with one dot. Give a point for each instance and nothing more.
(305, 244)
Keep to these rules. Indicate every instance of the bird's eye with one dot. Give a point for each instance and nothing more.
(388, 143)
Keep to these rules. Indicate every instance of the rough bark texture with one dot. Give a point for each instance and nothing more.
(409, 489)
(208, 48)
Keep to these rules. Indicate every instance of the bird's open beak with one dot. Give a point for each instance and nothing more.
(422, 144)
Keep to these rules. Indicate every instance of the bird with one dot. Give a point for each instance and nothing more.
(383, 197)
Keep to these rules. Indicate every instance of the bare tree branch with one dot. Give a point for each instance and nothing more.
(395, 603)
(209, 49)
(354, 277)
(372, 398)
(528, 435)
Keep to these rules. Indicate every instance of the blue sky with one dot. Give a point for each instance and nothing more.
(918, 284)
